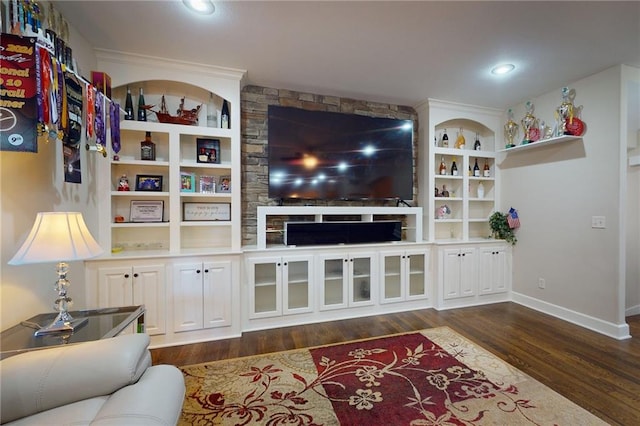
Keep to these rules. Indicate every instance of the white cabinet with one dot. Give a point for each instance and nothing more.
(404, 275)
(494, 270)
(201, 295)
(459, 272)
(279, 285)
(135, 285)
(346, 280)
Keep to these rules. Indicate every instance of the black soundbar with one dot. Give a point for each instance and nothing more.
(322, 233)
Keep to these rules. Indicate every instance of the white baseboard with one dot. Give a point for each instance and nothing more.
(617, 331)
(633, 310)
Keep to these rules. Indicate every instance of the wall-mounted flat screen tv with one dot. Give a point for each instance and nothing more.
(320, 155)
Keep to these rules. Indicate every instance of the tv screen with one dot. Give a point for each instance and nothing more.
(333, 156)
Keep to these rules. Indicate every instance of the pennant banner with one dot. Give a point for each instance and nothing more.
(18, 94)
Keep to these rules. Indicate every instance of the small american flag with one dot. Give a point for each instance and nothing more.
(512, 218)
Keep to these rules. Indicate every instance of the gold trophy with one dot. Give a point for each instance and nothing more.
(510, 130)
(568, 120)
(530, 125)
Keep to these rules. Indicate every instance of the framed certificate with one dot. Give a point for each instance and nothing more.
(146, 211)
(206, 211)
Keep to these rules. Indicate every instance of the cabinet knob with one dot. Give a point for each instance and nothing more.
(206, 271)
(197, 271)
(346, 260)
(278, 264)
(285, 263)
(135, 275)
(126, 275)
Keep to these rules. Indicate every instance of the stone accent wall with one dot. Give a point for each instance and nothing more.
(255, 180)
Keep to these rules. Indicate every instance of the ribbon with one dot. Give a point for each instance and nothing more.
(100, 128)
(90, 110)
(114, 123)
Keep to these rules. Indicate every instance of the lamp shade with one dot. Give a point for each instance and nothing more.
(56, 237)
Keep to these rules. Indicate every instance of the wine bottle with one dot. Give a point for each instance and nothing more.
(476, 169)
(454, 167)
(128, 106)
(443, 167)
(445, 139)
(211, 113)
(480, 190)
(225, 120)
(486, 172)
(460, 140)
(142, 112)
(476, 145)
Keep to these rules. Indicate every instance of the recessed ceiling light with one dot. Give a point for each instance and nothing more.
(503, 69)
(203, 7)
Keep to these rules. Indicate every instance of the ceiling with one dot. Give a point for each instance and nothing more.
(384, 51)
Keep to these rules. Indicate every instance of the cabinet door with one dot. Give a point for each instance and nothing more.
(217, 281)
(468, 272)
(392, 273)
(265, 287)
(115, 287)
(494, 270)
(297, 272)
(149, 290)
(333, 279)
(451, 274)
(416, 274)
(361, 279)
(187, 296)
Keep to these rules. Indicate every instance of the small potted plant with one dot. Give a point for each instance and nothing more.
(500, 228)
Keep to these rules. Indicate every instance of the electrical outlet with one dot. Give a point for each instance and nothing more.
(598, 222)
(542, 283)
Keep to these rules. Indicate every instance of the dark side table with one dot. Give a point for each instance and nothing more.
(100, 324)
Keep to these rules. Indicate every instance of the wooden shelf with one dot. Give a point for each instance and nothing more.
(541, 143)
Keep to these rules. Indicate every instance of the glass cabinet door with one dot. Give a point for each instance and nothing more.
(392, 276)
(360, 279)
(297, 273)
(417, 274)
(265, 281)
(333, 294)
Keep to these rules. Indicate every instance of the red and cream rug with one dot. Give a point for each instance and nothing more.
(431, 377)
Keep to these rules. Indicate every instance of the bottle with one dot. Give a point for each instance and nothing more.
(225, 120)
(445, 139)
(470, 172)
(142, 112)
(211, 113)
(147, 148)
(486, 172)
(476, 169)
(460, 140)
(454, 167)
(443, 167)
(480, 190)
(476, 145)
(128, 106)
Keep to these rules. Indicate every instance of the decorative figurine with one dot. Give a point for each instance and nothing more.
(510, 130)
(530, 125)
(123, 184)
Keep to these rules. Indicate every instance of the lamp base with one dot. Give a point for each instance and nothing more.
(60, 324)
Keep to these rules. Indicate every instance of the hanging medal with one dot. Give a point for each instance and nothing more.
(100, 128)
(114, 123)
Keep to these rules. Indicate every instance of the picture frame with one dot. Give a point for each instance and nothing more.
(187, 182)
(149, 183)
(208, 184)
(194, 212)
(146, 211)
(224, 185)
(208, 151)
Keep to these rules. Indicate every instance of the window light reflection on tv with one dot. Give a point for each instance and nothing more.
(320, 155)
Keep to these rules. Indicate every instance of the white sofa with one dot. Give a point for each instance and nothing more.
(103, 382)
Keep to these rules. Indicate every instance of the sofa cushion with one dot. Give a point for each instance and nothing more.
(43, 379)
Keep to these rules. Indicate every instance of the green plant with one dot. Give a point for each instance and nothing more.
(500, 228)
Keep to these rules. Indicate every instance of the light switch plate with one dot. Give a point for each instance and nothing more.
(598, 222)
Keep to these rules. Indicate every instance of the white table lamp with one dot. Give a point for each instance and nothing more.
(58, 237)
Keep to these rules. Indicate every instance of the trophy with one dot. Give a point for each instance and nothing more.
(530, 125)
(510, 130)
(567, 116)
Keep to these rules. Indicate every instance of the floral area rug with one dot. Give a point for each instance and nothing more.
(431, 377)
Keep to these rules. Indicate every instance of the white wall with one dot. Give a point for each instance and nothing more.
(557, 189)
(31, 183)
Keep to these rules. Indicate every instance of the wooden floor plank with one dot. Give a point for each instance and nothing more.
(596, 372)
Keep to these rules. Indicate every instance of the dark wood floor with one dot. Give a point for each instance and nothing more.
(598, 373)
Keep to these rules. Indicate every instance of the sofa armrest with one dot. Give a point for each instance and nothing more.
(40, 380)
(156, 399)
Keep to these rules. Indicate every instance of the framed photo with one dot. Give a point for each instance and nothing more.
(149, 183)
(208, 184)
(146, 211)
(225, 184)
(208, 151)
(206, 211)
(187, 182)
